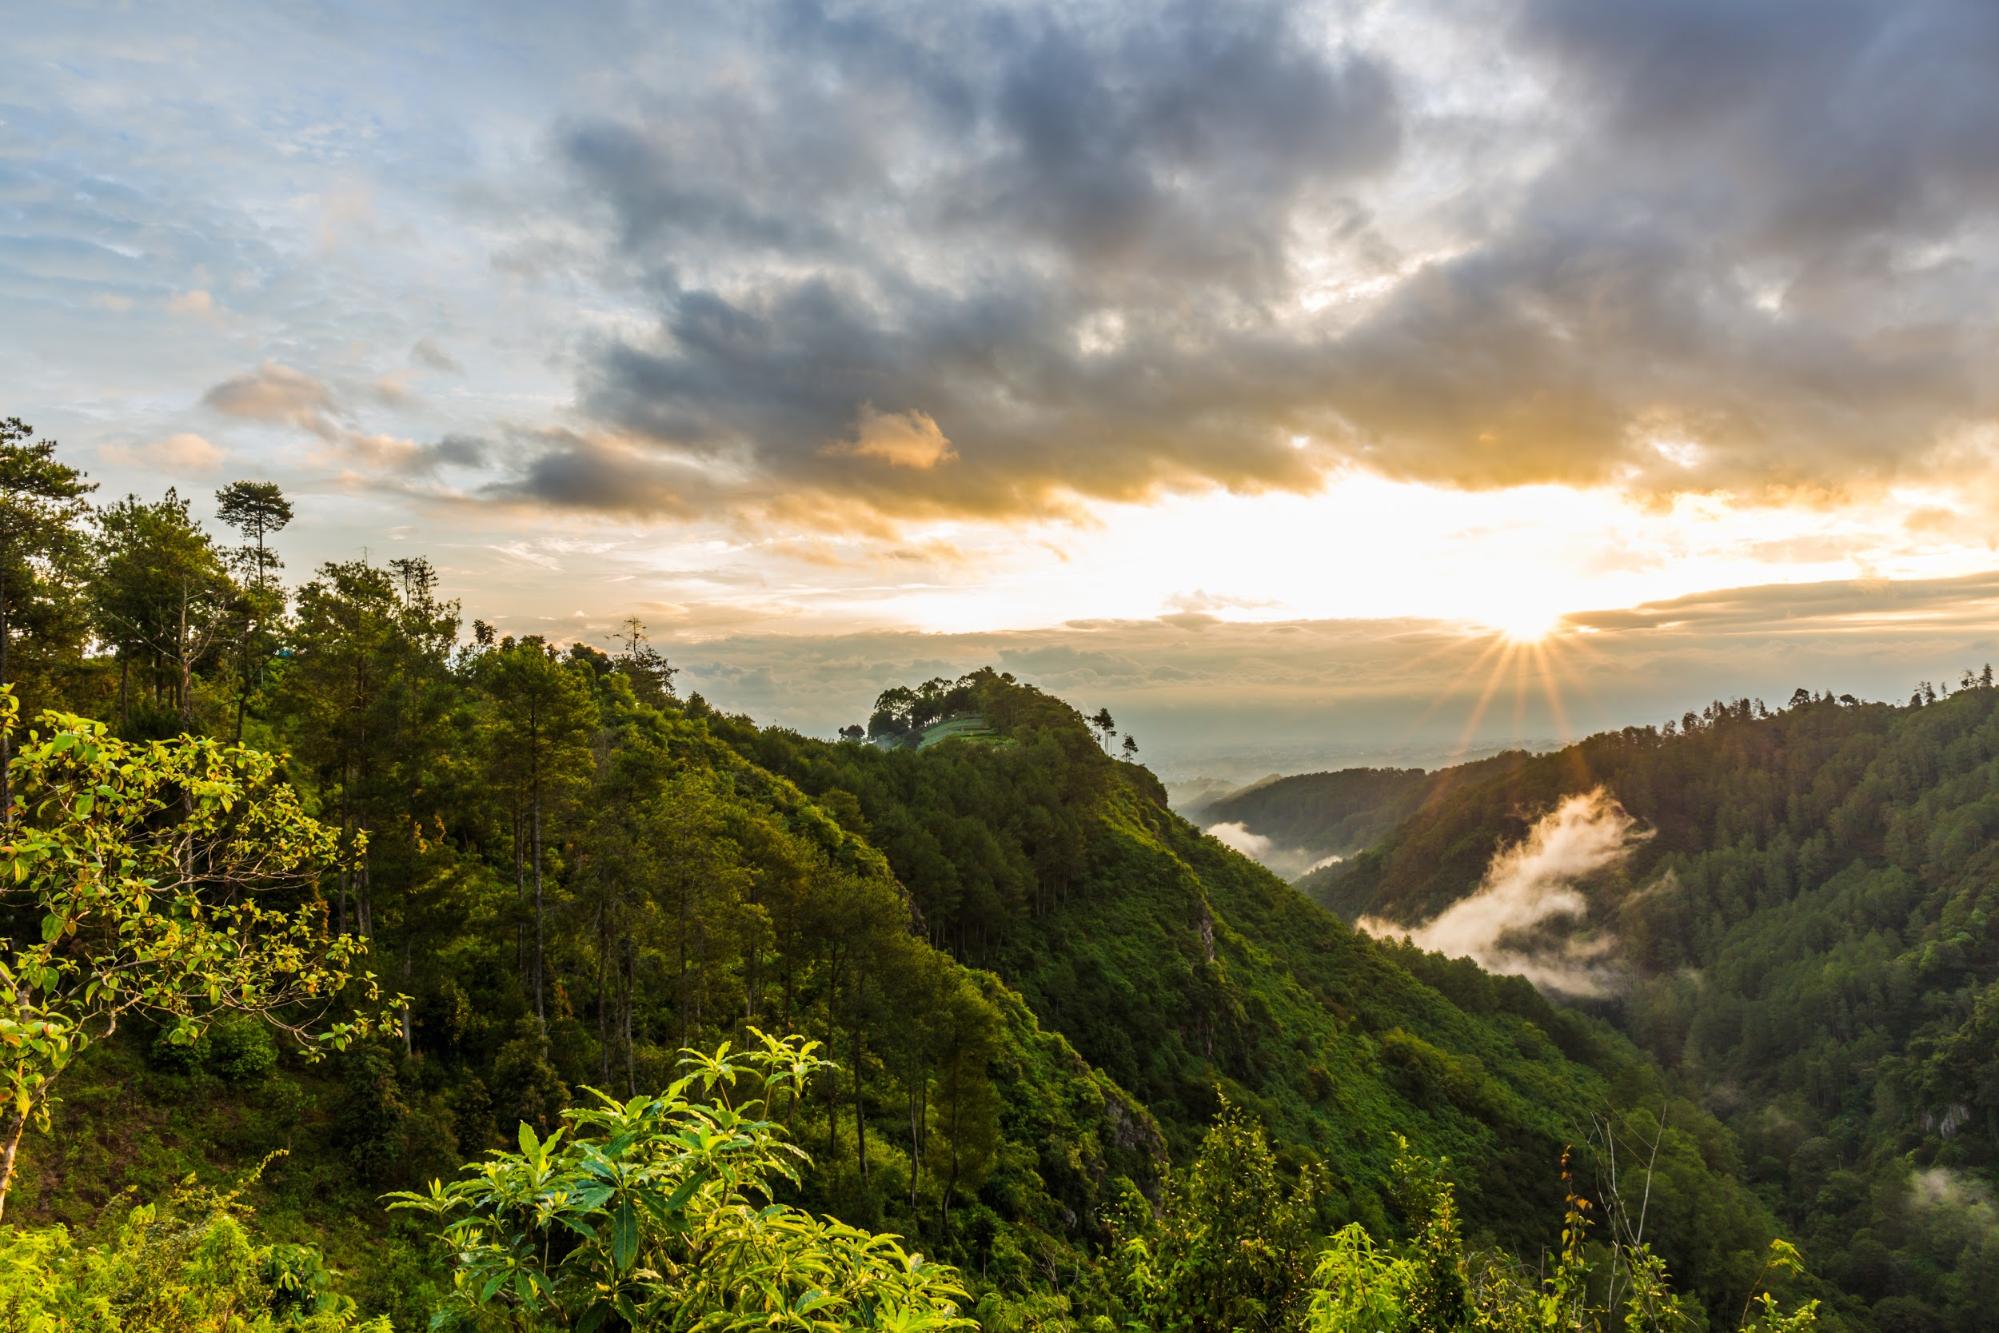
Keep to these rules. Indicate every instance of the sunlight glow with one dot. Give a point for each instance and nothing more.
(1526, 623)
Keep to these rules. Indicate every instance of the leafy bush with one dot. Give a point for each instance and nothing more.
(190, 1265)
(240, 1049)
(1431, 1285)
(658, 1212)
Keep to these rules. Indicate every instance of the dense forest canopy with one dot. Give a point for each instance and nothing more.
(1094, 1068)
(1798, 925)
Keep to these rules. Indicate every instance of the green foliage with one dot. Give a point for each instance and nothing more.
(1232, 1247)
(43, 559)
(188, 1265)
(1808, 945)
(240, 1048)
(162, 598)
(659, 1212)
(1039, 982)
(171, 879)
(1431, 1284)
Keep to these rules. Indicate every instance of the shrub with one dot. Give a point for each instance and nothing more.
(190, 1265)
(658, 1212)
(240, 1049)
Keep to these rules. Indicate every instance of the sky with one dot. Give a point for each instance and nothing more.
(1289, 377)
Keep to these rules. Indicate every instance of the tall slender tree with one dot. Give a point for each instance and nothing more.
(543, 716)
(650, 673)
(255, 509)
(42, 503)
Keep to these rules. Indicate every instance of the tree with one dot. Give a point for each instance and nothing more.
(162, 595)
(344, 654)
(1105, 724)
(1130, 748)
(659, 1212)
(1232, 1248)
(650, 673)
(41, 503)
(1431, 1285)
(543, 717)
(256, 509)
(174, 879)
(853, 732)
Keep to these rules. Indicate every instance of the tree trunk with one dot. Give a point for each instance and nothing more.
(540, 937)
(860, 1110)
(183, 685)
(603, 994)
(409, 980)
(681, 944)
(915, 1143)
(6, 736)
(631, 1072)
(11, 1129)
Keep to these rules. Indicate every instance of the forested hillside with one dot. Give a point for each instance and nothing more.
(1802, 931)
(1317, 817)
(1080, 1051)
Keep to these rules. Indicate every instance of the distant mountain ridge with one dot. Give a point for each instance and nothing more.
(1800, 920)
(1312, 816)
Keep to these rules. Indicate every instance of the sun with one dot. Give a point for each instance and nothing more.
(1525, 624)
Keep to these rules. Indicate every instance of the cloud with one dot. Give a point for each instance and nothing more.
(197, 302)
(1052, 243)
(1237, 837)
(276, 394)
(1290, 862)
(572, 471)
(1105, 251)
(1522, 919)
(182, 452)
(1962, 1201)
(900, 439)
(1804, 609)
(1687, 248)
(427, 354)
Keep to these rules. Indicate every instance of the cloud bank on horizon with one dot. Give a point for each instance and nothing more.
(879, 314)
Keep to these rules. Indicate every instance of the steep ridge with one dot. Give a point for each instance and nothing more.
(1189, 974)
(1804, 929)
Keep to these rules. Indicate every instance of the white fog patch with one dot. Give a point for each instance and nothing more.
(1237, 837)
(1528, 890)
(1290, 862)
(1967, 1197)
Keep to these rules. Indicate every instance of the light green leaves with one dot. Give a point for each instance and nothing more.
(172, 878)
(663, 1204)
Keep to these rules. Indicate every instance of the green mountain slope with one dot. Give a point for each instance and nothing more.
(1189, 974)
(1809, 940)
(1317, 815)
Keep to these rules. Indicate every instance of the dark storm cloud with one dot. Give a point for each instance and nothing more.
(1770, 233)
(1058, 239)
(1730, 246)
(576, 472)
(1802, 125)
